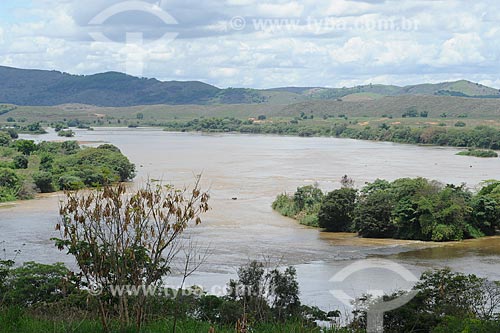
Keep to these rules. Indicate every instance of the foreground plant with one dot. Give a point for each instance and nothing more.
(122, 239)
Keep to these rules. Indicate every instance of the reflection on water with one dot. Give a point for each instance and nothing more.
(256, 168)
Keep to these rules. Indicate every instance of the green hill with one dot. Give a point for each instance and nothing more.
(112, 89)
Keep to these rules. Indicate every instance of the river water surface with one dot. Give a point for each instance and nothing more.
(255, 169)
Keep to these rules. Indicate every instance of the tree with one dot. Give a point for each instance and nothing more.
(373, 215)
(119, 239)
(443, 297)
(140, 116)
(9, 178)
(266, 293)
(25, 146)
(21, 162)
(4, 139)
(337, 210)
(307, 196)
(34, 283)
(44, 181)
(347, 182)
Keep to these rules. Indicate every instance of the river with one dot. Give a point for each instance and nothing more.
(255, 169)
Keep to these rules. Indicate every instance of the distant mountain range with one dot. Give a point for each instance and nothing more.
(113, 89)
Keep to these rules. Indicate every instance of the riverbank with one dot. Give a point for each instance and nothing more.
(412, 209)
(259, 167)
(27, 168)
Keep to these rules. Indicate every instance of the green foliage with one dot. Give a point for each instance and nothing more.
(34, 283)
(479, 137)
(448, 300)
(284, 205)
(21, 162)
(479, 153)
(27, 147)
(34, 128)
(466, 325)
(9, 178)
(307, 196)
(303, 206)
(88, 167)
(44, 181)
(66, 133)
(109, 147)
(373, 215)
(70, 183)
(267, 294)
(337, 210)
(416, 209)
(62, 166)
(119, 239)
(5, 139)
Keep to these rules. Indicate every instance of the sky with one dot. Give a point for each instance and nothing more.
(258, 44)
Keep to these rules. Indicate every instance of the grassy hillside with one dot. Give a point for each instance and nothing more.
(437, 109)
(112, 89)
(396, 106)
(35, 87)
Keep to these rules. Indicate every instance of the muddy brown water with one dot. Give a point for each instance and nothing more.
(254, 169)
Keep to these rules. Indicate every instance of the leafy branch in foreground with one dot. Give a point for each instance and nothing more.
(121, 239)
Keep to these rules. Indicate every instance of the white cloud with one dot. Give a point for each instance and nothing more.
(337, 50)
(287, 9)
(461, 49)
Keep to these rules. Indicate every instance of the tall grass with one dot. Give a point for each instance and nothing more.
(17, 320)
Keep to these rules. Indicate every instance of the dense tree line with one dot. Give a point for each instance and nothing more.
(478, 137)
(406, 208)
(27, 167)
(260, 299)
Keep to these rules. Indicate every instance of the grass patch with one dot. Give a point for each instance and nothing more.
(479, 153)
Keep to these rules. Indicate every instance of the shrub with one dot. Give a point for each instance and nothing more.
(337, 210)
(44, 181)
(66, 133)
(4, 139)
(21, 162)
(69, 182)
(34, 283)
(9, 178)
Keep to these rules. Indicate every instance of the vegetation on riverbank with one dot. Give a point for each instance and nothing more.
(122, 281)
(479, 153)
(477, 137)
(414, 209)
(40, 298)
(27, 168)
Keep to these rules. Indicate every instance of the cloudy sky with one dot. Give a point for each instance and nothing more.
(261, 44)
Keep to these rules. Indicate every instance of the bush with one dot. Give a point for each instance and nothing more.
(66, 133)
(284, 205)
(479, 153)
(9, 178)
(34, 283)
(21, 162)
(44, 181)
(70, 183)
(337, 210)
(373, 215)
(4, 139)
(25, 146)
